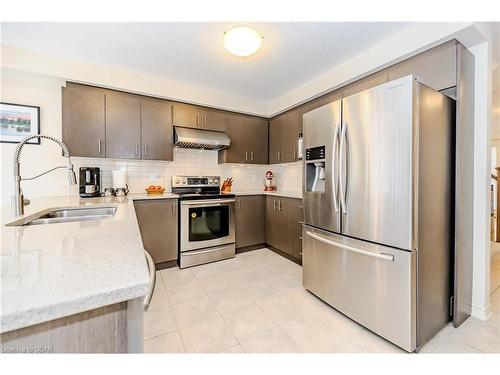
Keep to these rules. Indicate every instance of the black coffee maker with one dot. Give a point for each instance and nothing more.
(90, 182)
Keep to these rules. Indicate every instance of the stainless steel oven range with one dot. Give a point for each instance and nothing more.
(206, 220)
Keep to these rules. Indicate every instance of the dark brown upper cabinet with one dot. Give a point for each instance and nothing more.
(83, 121)
(191, 116)
(156, 130)
(249, 140)
(123, 126)
(284, 133)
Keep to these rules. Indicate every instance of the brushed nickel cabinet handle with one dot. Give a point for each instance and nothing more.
(251, 155)
(99, 147)
(205, 120)
(145, 149)
(274, 204)
(294, 153)
(246, 155)
(137, 149)
(279, 156)
(197, 120)
(279, 205)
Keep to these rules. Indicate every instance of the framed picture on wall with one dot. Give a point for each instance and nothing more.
(17, 121)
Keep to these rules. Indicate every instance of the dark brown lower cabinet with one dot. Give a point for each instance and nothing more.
(158, 225)
(284, 224)
(250, 217)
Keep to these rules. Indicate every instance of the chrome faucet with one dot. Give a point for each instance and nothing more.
(18, 201)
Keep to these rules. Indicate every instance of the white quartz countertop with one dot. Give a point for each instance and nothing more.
(50, 271)
(278, 193)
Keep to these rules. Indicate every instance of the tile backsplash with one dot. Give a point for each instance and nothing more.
(142, 173)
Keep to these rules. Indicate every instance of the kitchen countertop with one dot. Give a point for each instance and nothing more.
(278, 193)
(50, 271)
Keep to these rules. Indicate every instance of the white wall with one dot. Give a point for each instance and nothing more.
(45, 92)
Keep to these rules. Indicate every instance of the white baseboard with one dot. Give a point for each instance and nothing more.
(481, 312)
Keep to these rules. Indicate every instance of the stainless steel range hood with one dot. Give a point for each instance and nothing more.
(204, 139)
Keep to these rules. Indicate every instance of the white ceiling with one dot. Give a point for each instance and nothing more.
(292, 53)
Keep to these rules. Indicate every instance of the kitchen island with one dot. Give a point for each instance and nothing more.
(82, 276)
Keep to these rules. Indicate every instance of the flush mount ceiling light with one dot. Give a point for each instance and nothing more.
(242, 41)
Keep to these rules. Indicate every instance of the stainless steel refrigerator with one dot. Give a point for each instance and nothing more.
(378, 207)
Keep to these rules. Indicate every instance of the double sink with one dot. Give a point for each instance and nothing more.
(65, 215)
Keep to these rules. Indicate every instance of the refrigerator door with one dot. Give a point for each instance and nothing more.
(321, 129)
(372, 284)
(377, 166)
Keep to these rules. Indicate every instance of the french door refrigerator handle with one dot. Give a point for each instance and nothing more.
(334, 182)
(383, 256)
(343, 137)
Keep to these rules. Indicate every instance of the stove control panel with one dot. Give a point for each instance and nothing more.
(195, 181)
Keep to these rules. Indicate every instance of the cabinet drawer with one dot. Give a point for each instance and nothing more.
(374, 285)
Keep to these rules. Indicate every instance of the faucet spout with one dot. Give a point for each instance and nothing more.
(18, 200)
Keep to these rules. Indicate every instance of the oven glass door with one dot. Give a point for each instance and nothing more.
(208, 223)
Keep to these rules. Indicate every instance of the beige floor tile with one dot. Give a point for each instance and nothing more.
(168, 343)
(234, 350)
(192, 311)
(215, 284)
(231, 299)
(474, 334)
(159, 319)
(247, 322)
(452, 345)
(174, 277)
(281, 308)
(185, 292)
(313, 335)
(340, 323)
(159, 281)
(210, 335)
(272, 341)
(206, 270)
(160, 297)
(368, 342)
(437, 339)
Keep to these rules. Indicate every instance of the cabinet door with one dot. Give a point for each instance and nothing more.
(213, 120)
(250, 220)
(156, 130)
(435, 68)
(258, 141)
(283, 135)
(123, 126)
(188, 116)
(284, 233)
(83, 121)
(292, 127)
(365, 83)
(275, 143)
(158, 225)
(237, 132)
(272, 223)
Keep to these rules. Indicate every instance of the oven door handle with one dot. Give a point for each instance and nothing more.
(207, 203)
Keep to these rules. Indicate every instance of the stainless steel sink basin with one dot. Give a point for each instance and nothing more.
(65, 215)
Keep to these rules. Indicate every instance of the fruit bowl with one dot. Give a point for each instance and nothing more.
(155, 189)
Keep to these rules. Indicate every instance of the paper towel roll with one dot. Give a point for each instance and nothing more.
(119, 179)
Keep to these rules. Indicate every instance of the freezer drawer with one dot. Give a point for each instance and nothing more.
(372, 284)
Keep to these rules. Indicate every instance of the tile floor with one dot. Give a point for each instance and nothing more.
(255, 303)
